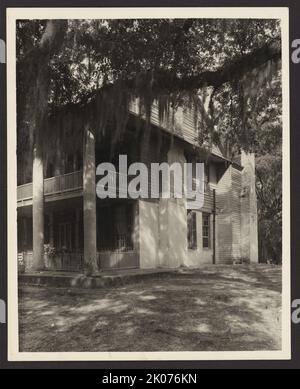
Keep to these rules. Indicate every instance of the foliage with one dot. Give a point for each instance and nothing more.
(49, 250)
(135, 57)
(267, 145)
(269, 194)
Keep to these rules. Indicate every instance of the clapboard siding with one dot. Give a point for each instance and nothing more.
(181, 122)
(236, 212)
(229, 216)
(208, 201)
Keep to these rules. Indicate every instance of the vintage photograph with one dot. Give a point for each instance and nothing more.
(149, 184)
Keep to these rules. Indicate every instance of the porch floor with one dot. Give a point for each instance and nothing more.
(102, 279)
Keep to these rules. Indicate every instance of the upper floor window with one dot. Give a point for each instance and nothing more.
(50, 170)
(79, 162)
(206, 176)
(69, 163)
(73, 162)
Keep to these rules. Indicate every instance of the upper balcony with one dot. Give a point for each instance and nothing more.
(71, 185)
(55, 188)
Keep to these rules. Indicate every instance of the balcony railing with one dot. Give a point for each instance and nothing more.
(53, 185)
(63, 183)
(74, 181)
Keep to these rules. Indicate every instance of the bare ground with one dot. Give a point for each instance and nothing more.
(215, 308)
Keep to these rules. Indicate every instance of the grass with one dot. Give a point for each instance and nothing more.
(215, 308)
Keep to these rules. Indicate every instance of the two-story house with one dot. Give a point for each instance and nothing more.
(140, 233)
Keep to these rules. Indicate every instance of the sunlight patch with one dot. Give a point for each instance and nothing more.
(147, 298)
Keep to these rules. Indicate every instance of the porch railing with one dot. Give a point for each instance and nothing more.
(74, 261)
(74, 181)
(63, 183)
(57, 184)
(119, 243)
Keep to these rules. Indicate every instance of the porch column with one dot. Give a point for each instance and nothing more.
(38, 210)
(89, 203)
(249, 235)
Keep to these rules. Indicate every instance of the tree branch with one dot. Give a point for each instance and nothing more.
(49, 43)
(166, 80)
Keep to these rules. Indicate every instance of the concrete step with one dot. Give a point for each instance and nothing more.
(100, 280)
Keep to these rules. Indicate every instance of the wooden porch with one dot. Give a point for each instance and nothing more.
(74, 261)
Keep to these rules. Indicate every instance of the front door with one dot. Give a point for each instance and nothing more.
(65, 236)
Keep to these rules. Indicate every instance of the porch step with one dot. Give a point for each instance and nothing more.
(103, 279)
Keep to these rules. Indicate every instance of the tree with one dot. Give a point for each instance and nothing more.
(38, 58)
(269, 194)
(267, 143)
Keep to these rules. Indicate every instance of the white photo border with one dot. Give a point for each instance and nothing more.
(13, 14)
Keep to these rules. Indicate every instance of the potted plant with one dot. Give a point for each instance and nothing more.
(50, 253)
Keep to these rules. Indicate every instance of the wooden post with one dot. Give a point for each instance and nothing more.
(214, 226)
(89, 203)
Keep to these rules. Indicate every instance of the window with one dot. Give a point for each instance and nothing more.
(206, 230)
(49, 170)
(206, 176)
(123, 226)
(191, 229)
(117, 232)
(69, 166)
(79, 161)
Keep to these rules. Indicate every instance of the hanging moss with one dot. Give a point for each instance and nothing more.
(108, 110)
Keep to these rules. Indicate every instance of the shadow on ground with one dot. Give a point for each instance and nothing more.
(215, 308)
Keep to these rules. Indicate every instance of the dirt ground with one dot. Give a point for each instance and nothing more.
(216, 308)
